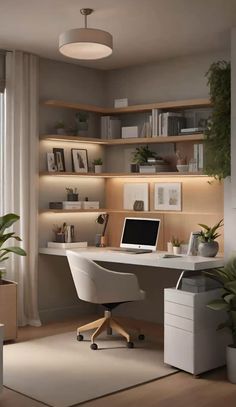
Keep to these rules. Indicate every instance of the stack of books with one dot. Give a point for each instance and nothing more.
(110, 127)
(170, 123)
(192, 130)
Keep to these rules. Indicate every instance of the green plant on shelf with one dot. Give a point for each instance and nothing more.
(97, 161)
(141, 155)
(60, 125)
(176, 242)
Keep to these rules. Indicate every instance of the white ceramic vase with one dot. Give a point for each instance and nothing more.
(97, 169)
(176, 249)
(231, 363)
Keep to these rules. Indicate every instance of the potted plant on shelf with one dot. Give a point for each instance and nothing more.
(8, 288)
(60, 127)
(81, 119)
(97, 165)
(72, 194)
(208, 247)
(141, 156)
(227, 302)
(176, 245)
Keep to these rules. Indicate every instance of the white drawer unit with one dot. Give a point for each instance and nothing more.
(192, 342)
(1, 366)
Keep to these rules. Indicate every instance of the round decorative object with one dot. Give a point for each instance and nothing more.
(231, 363)
(130, 345)
(141, 337)
(208, 249)
(80, 337)
(138, 205)
(93, 346)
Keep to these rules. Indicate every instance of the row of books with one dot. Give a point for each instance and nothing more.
(110, 127)
(167, 124)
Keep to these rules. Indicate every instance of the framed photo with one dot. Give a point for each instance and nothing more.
(167, 196)
(59, 159)
(51, 164)
(79, 160)
(134, 192)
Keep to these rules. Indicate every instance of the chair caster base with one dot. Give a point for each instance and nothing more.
(93, 346)
(130, 345)
(80, 337)
(141, 337)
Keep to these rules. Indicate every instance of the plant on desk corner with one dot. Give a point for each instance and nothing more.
(208, 247)
(6, 222)
(227, 302)
(176, 243)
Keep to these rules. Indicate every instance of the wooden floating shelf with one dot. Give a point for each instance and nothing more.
(129, 141)
(124, 175)
(120, 211)
(177, 104)
(72, 210)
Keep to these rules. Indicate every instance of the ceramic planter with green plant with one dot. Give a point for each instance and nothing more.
(227, 302)
(60, 127)
(6, 222)
(208, 246)
(141, 156)
(176, 244)
(72, 194)
(81, 119)
(98, 165)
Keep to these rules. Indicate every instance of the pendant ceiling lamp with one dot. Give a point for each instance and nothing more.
(86, 43)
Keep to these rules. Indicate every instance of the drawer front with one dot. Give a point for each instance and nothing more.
(179, 309)
(179, 322)
(179, 297)
(179, 349)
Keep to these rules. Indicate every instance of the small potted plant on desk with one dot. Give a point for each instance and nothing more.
(8, 288)
(176, 244)
(207, 246)
(227, 302)
(97, 165)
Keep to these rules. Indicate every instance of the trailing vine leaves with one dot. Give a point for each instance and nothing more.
(217, 135)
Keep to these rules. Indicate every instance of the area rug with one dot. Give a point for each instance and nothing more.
(60, 371)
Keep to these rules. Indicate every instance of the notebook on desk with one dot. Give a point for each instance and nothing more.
(139, 235)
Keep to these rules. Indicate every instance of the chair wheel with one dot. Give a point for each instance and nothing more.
(141, 337)
(80, 337)
(130, 345)
(93, 346)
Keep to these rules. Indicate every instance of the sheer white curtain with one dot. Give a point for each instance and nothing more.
(20, 188)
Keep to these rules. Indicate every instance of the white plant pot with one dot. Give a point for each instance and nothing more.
(176, 249)
(231, 363)
(97, 169)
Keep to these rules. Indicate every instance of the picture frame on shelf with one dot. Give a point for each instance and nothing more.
(51, 163)
(167, 196)
(133, 192)
(79, 160)
(59, 159)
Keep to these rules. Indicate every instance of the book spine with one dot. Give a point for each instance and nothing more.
(196, 154)
(200, 157)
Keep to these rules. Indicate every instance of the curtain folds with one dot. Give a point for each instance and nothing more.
(21, 176)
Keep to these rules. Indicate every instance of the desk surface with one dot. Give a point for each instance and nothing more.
(192, 263)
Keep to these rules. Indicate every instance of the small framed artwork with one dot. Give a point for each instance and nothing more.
(59, 159)
(51, 164)
(79, 160)
(167, 196)
(133, 193)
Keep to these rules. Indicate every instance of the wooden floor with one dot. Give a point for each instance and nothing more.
(178, 390)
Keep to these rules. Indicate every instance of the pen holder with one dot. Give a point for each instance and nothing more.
(60, 237)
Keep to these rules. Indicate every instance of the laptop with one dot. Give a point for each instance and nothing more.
(139, 235)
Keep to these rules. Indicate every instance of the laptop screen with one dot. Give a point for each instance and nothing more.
(140, 233)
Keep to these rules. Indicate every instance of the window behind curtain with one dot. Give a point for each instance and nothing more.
(2, 129)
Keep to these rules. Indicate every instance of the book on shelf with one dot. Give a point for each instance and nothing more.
(198, 155)
(170, 123)
(110, 127)
(155, 122)
(192, 130)
(71, 245)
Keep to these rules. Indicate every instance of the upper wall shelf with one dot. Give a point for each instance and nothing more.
(123, 174)
(129, 141)
(177, 104)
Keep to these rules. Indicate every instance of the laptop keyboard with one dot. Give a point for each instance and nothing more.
(133, 251)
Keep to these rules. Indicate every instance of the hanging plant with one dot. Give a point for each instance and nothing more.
(217, 134)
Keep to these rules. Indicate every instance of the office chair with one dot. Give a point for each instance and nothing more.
(99, 285)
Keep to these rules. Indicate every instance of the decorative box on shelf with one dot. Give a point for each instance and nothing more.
(72, 245)
(129, 131)
(72, 204)
(90, 204)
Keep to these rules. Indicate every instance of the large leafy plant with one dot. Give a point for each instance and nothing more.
(217, 135)
(6, 222)
(141, 155)
(227, 301)
(208, 234)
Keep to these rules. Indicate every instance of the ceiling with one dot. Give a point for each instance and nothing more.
(143, 30)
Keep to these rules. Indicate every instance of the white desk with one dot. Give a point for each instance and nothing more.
(185, 263)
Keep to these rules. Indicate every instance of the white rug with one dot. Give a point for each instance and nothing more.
(59, 371)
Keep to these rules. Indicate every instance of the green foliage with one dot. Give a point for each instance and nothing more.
(217, 135)
(70, 190)
(6, 222)
(209, 234)
(227, 301)
(176, 242)
(82, 116)
(60, 125)
(141, 155)
(97, 161)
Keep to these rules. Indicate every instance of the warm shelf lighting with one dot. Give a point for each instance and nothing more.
(86, 43)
